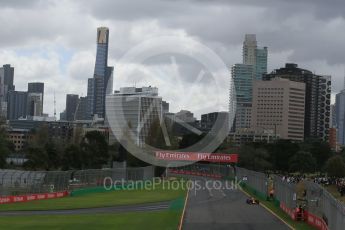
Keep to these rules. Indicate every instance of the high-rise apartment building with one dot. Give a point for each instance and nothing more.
(278, 105)
(254, 55)
(333, 120)
(249, 49)
(317, 98)
(6, 85)
(72, 101)
(101, 83)
(340, 116)
(253, 67)
(17, 104)
(261, 62)
(138, 107)
(243, 76)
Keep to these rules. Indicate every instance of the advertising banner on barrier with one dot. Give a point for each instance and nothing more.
(24, 198)
(194, 156)
(316, 221)
(288, 211)
(186, 172)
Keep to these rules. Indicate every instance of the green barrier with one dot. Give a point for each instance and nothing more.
(276, 202)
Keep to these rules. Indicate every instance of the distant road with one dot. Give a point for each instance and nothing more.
(226, 209)
(115, 209)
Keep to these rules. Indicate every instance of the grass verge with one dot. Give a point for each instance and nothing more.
(271, 206)
(105, 199)
(165, 220)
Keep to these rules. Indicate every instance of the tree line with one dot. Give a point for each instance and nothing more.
(285, 156)
(93, 151)
(45, 153)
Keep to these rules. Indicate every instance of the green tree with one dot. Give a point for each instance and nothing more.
(4, 145)
(37, 159)
(114, 152)
(255, 159)
(280, 153)
(302, 162)
(227, 146)
(42, 147)
(94, 150)
(40, 136)
(335, 166)
(319, 149)
(190, 139)
(72, 157)
(54, 154)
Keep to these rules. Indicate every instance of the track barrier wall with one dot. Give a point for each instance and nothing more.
(322, 204)
(31, 197)
(257, 182)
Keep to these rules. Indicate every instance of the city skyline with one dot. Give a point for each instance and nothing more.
(65, 56)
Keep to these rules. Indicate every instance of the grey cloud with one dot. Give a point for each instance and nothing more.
(20, 4)
(311, 31)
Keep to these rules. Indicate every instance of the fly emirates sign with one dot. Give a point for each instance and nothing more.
(192, 156)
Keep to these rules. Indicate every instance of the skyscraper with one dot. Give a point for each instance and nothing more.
(340, 116)
(35, 98)
(82, 109)
(243, 78)
(101, 83)
(249, 49)
(261, 62)
(253, 67)
(6, 85)
(317, 98)
(254, 55)
(278, 105)
(72, 101)
(17, 104)
(333, 121)
(36, 87)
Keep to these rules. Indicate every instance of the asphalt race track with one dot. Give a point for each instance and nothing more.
(114, 209)
(220, 208)
(208, 207)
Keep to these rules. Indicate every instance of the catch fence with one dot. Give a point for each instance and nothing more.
(285, 192)
(326, 206)
(18, 182)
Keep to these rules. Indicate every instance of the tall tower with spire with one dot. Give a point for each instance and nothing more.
(101, 83)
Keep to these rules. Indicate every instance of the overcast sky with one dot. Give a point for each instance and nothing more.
(54, 41)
